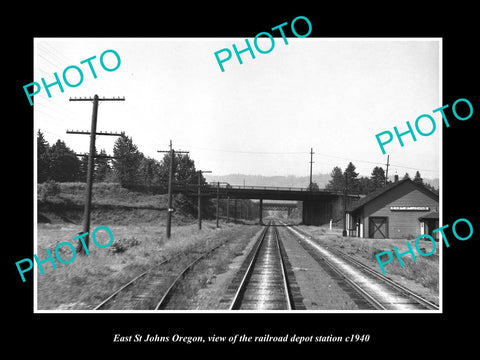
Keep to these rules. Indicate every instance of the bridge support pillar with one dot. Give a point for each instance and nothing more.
(317, 213)
(235, 211)
(260, 212)
(228, 209)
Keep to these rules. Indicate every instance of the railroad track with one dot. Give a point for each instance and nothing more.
(379, 291)
(147, 290)
(265, 284)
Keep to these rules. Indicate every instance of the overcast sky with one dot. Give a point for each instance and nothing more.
(262, 117)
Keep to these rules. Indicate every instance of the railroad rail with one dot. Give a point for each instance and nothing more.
(158, 280)
(162, 304)
(265, 284)
(380, 291)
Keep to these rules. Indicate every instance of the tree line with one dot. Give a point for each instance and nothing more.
(61, 164)
(129, 167)
(365, 185)
(132, 169)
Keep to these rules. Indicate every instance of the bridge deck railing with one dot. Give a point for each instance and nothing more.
(276, 188)
(212, 186)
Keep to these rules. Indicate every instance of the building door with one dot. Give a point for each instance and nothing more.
(378, 227)
(431, 224)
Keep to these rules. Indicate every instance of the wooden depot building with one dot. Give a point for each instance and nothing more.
(401, 210)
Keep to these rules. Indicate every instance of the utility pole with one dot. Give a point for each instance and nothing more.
(235, 211)
(386, 173)
(200, 172)
(90, 167)
(241, 209)
(228, 209)
(218, 200)
(261, 211)
(170, 186)
(311, 162)
(345, 206)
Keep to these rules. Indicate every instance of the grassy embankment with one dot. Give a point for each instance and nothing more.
(110, 202)
(138, 225)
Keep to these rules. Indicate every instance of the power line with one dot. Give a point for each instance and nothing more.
(46, 47)
(248, 152)
(58, 60)
(303, 153)
(52, 133)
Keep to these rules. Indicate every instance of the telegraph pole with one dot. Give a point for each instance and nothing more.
(241, 210)
(311, 162)
(386, 173)
(170, 185)
(90, 167)
(218, 200)
(235, 211)
(228, 209)
(200, 172)
(345, 207)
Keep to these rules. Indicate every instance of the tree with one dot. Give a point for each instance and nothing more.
(127, 160)
(184, 172)
(351, 178)
(146, 171)
(102, 166)
(365, 185)
(64, 165)
(377, 177)
(431, 188)
(418, 179)
(406, 176)
(82, 174)
(149, 172)
(43, 158)
(313, 186)
(337, 183)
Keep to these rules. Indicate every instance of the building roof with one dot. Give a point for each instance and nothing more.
(379, 192)
(430, 215)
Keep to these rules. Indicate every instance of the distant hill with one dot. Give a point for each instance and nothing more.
(281, 181)
(284, 181)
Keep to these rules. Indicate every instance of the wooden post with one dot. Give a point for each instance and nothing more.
(170, 191)
(170, 186)
(218, 200)
(235, 211)
(228, 209)
(199, 205)
(261, 211)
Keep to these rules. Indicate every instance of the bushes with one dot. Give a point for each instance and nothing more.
(121, 245)
(48, 189)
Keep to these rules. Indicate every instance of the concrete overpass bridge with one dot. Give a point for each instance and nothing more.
(280, 205)
(318, 206)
